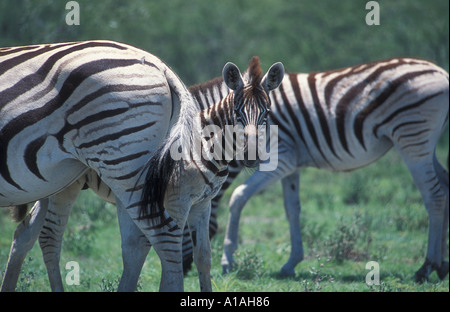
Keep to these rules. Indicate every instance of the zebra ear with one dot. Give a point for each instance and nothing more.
(232, 76)
(274, 77)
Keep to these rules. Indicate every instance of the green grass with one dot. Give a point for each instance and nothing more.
(347, 219)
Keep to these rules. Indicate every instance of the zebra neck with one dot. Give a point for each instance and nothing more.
(213, 122)
(209, 93)
(220, 114)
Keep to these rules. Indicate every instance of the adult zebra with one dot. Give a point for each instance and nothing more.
(68, 107)
(69, 132)
(343, 120)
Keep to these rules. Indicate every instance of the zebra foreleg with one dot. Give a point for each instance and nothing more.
(171, 260)
(25, 236)
(256, 183)
(291, 198)
(198, 221)
(135, 247)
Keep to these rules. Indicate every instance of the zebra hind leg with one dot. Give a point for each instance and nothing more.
(50, 238)
(25, 236)
(165, 237)
(135, 247)
(435, 198)
(444, 181)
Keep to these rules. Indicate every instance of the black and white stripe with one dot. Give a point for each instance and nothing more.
(184, 187)
(163, 233)
(73, 96)
(343, 120)
(348, 118)
(70, 107)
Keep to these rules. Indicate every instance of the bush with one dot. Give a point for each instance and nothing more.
(249, 265)
(342, 243)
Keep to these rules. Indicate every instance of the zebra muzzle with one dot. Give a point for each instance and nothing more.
(251, 146)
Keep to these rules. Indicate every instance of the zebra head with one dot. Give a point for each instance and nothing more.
(251, 100)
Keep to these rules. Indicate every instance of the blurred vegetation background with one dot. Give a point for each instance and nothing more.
(197, 37)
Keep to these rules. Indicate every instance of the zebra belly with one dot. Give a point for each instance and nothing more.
(34, 179)
(359, 158)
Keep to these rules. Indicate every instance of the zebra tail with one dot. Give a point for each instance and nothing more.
(160, 169)
(185, 99)
(19, 212)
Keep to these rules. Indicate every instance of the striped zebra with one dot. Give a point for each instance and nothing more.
(345, 119)
(342, 120)
(146, 202)
(47, 220)
(68, 107)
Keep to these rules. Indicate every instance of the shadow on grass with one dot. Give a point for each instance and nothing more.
(347, 278)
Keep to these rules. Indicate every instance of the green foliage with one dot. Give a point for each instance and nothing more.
(341, 244)
(249, 265)
(198, 37)
(109, 285)
(89, 213)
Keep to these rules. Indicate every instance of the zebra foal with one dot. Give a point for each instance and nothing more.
(247, 101)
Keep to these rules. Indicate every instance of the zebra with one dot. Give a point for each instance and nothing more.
(342, 120)
(68, 107)
(246, 101)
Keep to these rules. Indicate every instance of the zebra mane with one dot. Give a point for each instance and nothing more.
(255, 73)
(202, 87)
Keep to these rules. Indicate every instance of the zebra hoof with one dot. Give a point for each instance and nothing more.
(227, 264)
(420, 278)
(226, 269)
(442, 271)
(285, 272)
(422, 274)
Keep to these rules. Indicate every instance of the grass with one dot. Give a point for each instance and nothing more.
(347, 219)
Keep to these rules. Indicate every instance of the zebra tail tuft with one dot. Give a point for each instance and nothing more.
(19, 212)
(160, 169)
